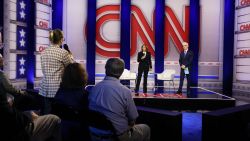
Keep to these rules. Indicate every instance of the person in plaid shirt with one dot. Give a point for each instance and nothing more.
(53, 61)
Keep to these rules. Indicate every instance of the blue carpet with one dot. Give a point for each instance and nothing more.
(191, 126)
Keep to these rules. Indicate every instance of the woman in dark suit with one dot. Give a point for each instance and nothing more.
(145, 64)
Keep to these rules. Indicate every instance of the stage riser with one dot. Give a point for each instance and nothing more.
(165, 125)
(185, 103)
(230, 124)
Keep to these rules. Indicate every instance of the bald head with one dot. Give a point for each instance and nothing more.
(185, 45)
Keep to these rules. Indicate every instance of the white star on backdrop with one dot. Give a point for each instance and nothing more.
(22, 33)
(22, 14)
(22, 70)
(22, 61)
(22, 42)
(22, 4)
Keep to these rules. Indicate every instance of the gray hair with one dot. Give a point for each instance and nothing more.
(114, 67)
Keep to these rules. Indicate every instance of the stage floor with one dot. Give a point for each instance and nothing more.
(200, 99)
(196, 92)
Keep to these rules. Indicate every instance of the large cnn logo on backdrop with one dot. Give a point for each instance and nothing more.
(141, 28)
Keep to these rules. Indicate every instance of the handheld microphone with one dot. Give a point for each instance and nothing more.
(66, 47)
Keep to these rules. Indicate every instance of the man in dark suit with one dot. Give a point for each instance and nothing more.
(145, 64)
(185, 61)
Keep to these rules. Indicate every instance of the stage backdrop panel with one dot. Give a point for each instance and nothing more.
(142, 32)
(211, 40)
(107, 33)
(43, 26)
(242, 47)
(74, 27)
(176, 32)
(16, 38)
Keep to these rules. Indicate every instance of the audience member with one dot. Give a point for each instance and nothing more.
(23, 101)
(115, 101)
(72, 89)
(71, 103)
(53, 61)
(25, 126)
(7, 86)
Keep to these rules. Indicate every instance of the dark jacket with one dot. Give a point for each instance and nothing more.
(145, 63)
(70, 104)
(186, 60)
(13, 123)
(7, 86)
(23, 101)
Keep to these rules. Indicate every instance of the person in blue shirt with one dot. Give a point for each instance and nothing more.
(115, 101)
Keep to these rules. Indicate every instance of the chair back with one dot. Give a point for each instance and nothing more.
(128, 75)
(66, 112)
(99, 121)
(73, 125)
(169, 74)
(100, 127)
(125, 74)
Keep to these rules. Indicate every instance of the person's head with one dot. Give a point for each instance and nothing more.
(185, 45)
(74, 76)
(56, 37)
(1, 61)
(114, 67)
(144, 48)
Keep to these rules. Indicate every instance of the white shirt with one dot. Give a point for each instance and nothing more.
(185, 52)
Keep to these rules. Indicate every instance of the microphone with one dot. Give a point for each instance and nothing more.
(144, 55)
(66, 47)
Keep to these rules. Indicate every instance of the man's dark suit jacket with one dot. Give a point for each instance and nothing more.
(146, 62)
(186, 59)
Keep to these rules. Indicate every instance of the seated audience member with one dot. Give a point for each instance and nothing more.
(7, 86)
(72, 91)
(19, 126)
(71, 103)
(22, 99)
(115, 101)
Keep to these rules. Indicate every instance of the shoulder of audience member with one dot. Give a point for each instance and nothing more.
(126, 89)
(2, 74)
(85, 92)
